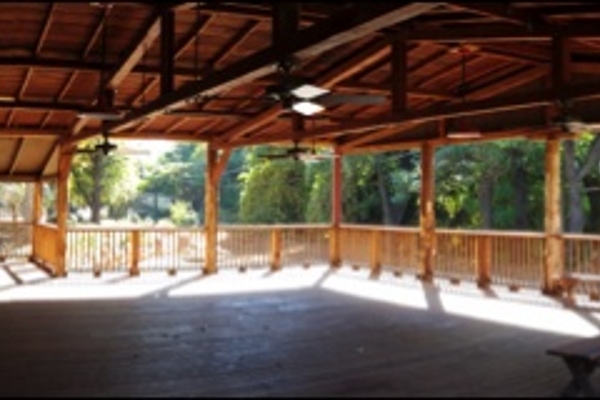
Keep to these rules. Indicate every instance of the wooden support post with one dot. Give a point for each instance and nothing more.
(336, 209)
(427, 212)
(134, 239)
(215, 165)
(553, 255)
(211, 217)
(36, 216)
(483, 250)
(167, 51)
(375, 256)
(276, 249)
(399, 73)
(62, 208)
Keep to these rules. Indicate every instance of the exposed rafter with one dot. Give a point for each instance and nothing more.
(312, 41)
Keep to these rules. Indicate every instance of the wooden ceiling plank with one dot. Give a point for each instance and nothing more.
(311, 41)
(47, 160)
(45, 29)
(238, 38)
(176, 124)
(15, 159)
(24, 83)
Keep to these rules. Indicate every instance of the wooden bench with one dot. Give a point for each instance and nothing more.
(581, 356)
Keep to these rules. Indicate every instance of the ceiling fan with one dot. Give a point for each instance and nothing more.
(460, 128)
(295, 94)
(104, 109)
(106, 147)
(569, 122)
(293, 152)
(298, 153)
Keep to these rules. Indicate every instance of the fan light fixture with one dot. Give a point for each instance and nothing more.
(307, 91)
(307, 108)
(460, 128)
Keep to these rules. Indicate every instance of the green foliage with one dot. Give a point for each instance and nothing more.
(114, 176)
(272, 191)
(319, 183)
(181, 213)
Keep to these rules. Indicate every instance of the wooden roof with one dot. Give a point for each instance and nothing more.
(524, 56)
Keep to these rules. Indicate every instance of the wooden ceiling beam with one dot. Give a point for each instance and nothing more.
(16, 133)
(489, 34)
(384, 89)
(498, 10)
(521, 101)
(18, 178)
(41, 106)
(196, 30)
(145, 37)
(335, 31)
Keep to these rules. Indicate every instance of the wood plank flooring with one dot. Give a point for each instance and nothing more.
(306, 342)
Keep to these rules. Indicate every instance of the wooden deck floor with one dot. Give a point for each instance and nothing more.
(303, 336)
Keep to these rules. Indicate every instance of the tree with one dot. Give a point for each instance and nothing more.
(580, 157)
(97, 180)
(272, 191)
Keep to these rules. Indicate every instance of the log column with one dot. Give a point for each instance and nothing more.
(36, 216)
(215, 165)
(65, 157)
(427, 212)
(336, 208)
(553, 254)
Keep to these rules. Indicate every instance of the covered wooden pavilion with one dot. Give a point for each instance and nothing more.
(187, 71)
(526, 62)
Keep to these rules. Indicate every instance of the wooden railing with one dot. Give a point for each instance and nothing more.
(15, 239)
(380, 248)
(44, 245)
(582, 257)
(133, 250)
(513, 259)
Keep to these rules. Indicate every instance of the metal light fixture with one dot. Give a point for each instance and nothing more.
(307, 108)
(460, 128)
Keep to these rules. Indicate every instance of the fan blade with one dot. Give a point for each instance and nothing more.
(101, 115)
(132, 152)
(84, 151)
(274, 156)
(339, 98)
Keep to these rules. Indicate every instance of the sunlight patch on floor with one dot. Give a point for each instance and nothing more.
(79, 286)
(356, 283)
(252, 281)
(530, 316)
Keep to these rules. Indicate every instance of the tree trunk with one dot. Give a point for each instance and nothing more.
(485, 201)
(592, 186)
(97, 160)
(383, 194)
(520, 185)
(574, 216)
